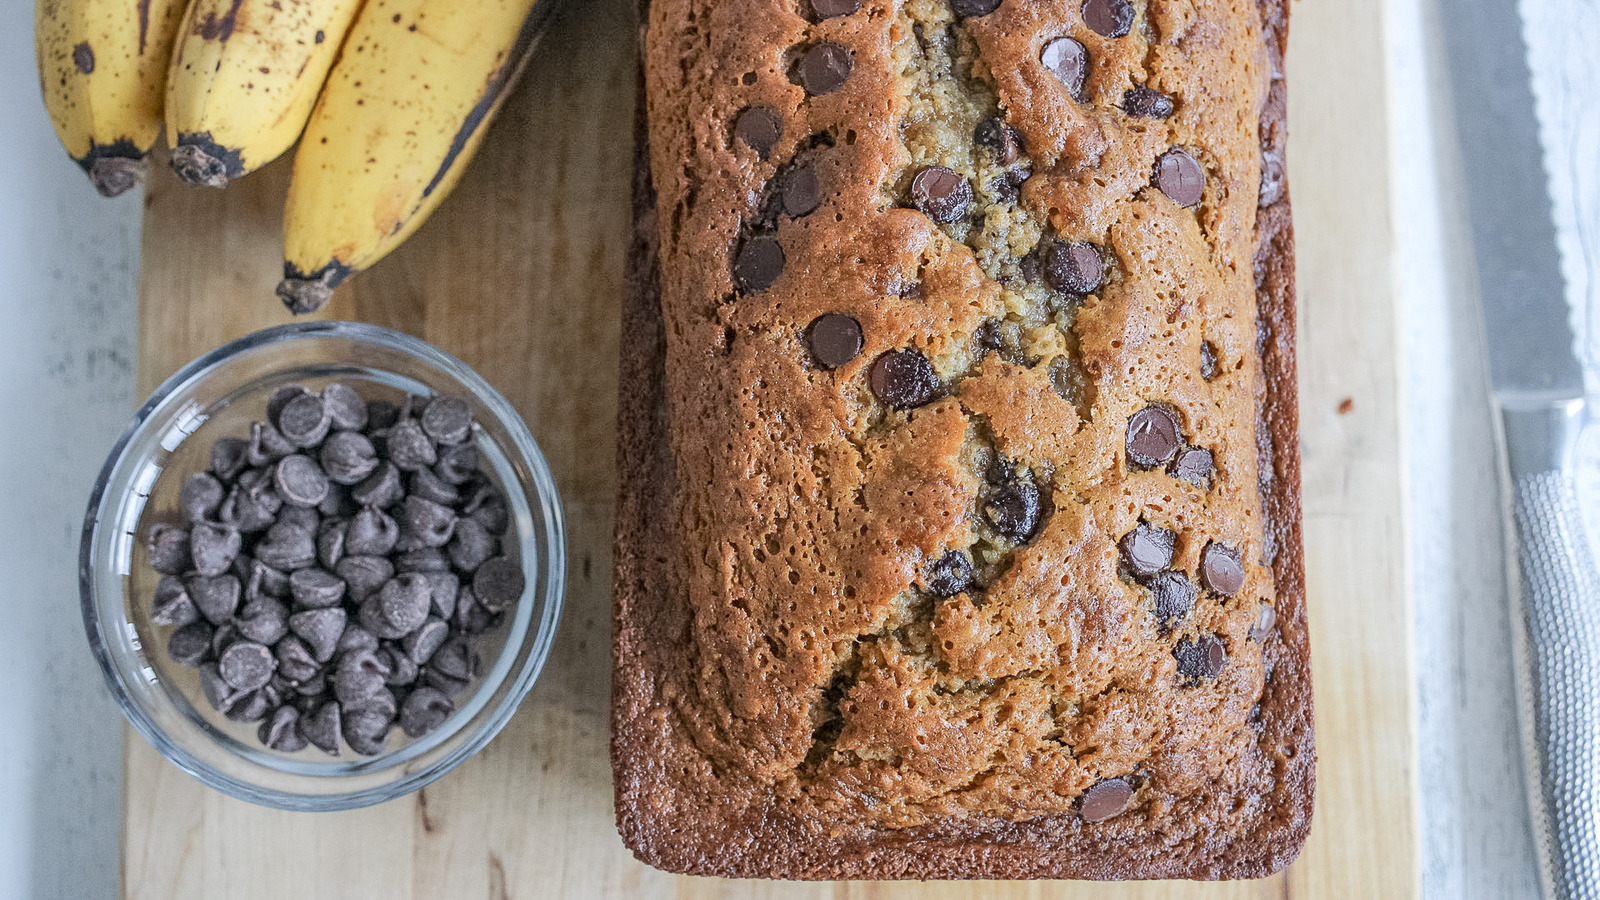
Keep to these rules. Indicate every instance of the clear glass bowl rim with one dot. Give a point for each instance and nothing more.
(552, 550)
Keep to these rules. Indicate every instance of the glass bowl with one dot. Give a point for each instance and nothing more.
(218, 395)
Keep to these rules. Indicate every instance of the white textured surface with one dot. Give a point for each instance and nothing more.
(69, 259)
(68, 263)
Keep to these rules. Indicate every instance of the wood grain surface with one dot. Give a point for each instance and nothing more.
(519, 274)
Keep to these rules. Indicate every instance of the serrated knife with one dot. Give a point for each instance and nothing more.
(1538, 393)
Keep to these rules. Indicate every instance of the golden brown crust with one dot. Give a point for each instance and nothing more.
(761, 728)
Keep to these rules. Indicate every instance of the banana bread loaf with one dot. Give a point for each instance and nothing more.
(959, 522)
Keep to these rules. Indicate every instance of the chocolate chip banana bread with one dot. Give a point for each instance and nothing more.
(959, 526)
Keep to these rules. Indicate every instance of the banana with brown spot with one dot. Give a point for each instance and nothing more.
(102, 70)
(404, 110)
(245, 75)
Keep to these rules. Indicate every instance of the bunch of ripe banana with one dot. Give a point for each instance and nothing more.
(389, 100)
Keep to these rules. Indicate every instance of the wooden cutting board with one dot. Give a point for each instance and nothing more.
(519, 274)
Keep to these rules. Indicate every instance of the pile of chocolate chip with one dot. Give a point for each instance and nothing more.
(333, 572)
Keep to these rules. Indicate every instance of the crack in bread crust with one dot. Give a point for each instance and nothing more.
(790, 699)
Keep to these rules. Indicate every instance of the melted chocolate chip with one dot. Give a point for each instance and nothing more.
(1152, 437)
(760, 128)
(1013, 507)
(941, 194)
(1068, 60)
(904, 379)
(950, 574)
(1202, 657)
(1266, 617)
(835, 339)
(825, 68)
(1180, 177)
(1109, 18)
(1000, 139)
(966, 9)
(1172, 595)
(799, 192)
(1104, 799)
(1075, 267)
(1147, 103)
(1208, 360)
(828, 9)
(759, 264)
(1221, 569)
(1193, 465)
(1147, 549)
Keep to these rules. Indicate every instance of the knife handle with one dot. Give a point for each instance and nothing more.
(1556, 622)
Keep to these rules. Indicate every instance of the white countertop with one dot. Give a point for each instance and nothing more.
(69, 262)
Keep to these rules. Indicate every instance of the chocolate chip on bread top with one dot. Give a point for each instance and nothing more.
(949, 530)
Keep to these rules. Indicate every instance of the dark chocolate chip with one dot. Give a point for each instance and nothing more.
(381, 416)
(263, 580)
(449, 684)
(167, 548)
(356, 640)
(471, 546)
(218, 692)
(320, 629)
(1068, 60)
(1109, 18)
(1172, 595)
(428, 486)
(316, 588)
(263, 620)
(330, 542)
(228, 457)
(267, 445)
(217, 597)
(426, 708)
(1266, 618)
(760, 127)
(295, 661)
(345, 407)
(371, 533)
(941, 194)
(1147, 549)
(420, 645)
(410, 447)
(1104, 799)
(835, 339)
(281, 731)
(1153, 437)
(171, 604)
(251, 706)
(1208, 360)
(423, 523)
(1202, 657)
(300, 481)
(825, 68)
(799, 191)
(1000, 139)
(1146, 103)
(304, 421)
(1012, 508)
(348, 457)
(456, 658)
(967, 9)
(904, 379)
(1075, 267)
(950, 574)
(405, 601)
(224, 637)
(759, 263)
(367, 730)
(247, 665)
(1193, 465)
(287, 546)
(213, 548)
(190, 645)
(323, 727)
(425, 559)
(304, 518)
(363, 575)
(447, 419)
(281, 398)
(1221, 569)
(498, 583)
(443, 588)
(200, 496)
(1180, 177)
(470, 616)
(487, 504)
(402, 671)
(381, 489)
(457, 464)
(359, 678)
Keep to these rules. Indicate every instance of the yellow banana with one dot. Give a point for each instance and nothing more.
(403, 111)
(102, 68)
(244, 77)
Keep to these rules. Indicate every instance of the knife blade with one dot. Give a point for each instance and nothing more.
(1538, 391)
